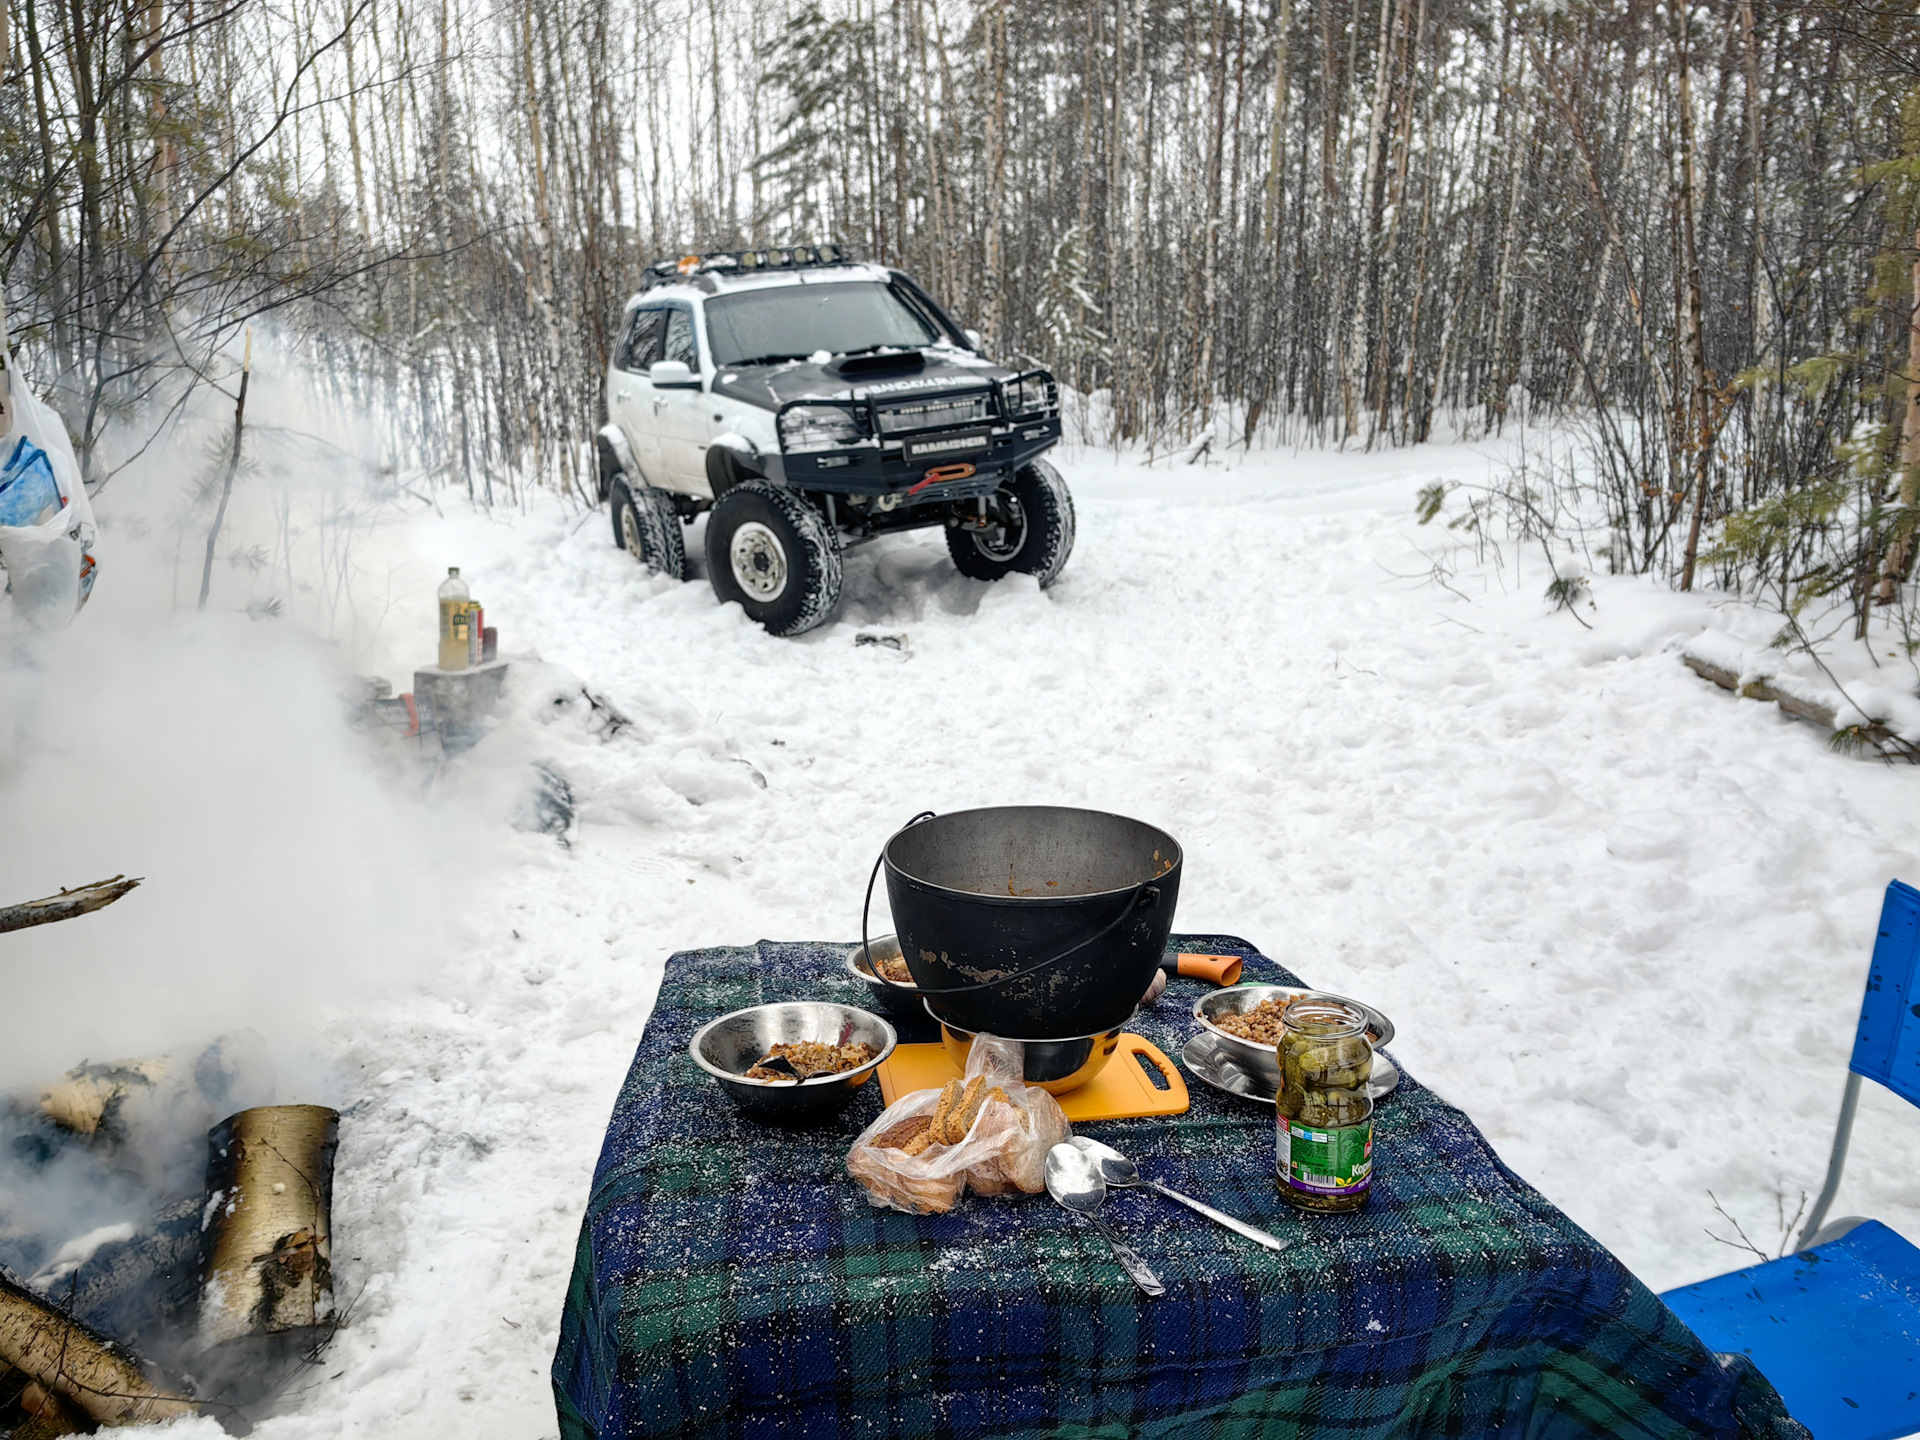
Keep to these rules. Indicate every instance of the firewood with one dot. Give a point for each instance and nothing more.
(66, 905)
(46, 1415)
(78, 1364)
(267, 1262)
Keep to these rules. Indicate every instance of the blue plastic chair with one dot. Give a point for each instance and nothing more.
(1836, 1325)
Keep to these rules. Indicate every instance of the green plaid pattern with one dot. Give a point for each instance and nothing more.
(732, 1281)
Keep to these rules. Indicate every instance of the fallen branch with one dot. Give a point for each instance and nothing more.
(1882, 740)
(66, 905)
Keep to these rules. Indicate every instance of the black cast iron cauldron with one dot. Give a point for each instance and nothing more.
(1032, 921)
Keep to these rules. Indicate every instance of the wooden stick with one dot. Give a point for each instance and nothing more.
(66, 905)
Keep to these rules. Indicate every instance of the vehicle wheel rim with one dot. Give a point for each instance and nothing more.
(759, 562)
(1001, 542)
(630, 530)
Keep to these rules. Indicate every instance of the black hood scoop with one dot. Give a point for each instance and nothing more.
(851, 367)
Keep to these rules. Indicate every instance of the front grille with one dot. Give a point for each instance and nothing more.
(948, 410)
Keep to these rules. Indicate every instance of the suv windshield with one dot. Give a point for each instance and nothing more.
(794, 321)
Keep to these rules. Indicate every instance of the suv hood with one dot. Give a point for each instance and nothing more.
(771, 386)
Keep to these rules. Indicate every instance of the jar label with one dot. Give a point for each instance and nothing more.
(1338, 1161)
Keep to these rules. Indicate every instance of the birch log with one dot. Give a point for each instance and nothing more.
(78, 1363)
(267, 1258)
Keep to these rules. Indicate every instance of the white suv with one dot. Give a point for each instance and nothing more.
(810, 402)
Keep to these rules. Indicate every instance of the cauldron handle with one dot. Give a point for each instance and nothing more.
(866, 906)
(1146, 897)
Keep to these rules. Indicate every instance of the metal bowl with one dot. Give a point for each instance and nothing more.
(732, 1045)
(1263, 1061)
(897, 997)
(1056, 1066)
(1206, 1056)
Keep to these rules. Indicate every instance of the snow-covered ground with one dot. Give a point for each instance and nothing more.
(1619, 916)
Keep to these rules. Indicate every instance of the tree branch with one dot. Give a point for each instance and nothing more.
(66, 905)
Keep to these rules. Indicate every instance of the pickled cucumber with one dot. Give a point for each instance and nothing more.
(1324, 1135)
(1343, 1063)
(1333, 1107)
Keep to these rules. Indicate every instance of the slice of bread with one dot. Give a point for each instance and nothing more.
(949, 1097)
(898, 1137)
(965, 1111)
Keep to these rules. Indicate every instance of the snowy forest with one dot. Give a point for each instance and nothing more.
(1689, 231)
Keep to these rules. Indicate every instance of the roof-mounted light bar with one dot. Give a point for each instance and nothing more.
(747, 262)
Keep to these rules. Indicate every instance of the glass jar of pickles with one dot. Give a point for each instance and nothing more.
(1323, 1116)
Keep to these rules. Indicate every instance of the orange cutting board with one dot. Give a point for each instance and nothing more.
(1121, 1091)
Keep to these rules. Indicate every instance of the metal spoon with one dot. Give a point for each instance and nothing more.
(1117, 1169)
(1074, 1180)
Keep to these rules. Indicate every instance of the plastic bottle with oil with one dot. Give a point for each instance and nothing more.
(1323, 1116)
(456, 620)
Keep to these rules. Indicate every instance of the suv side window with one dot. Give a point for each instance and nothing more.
(642, 345)
(679, 343)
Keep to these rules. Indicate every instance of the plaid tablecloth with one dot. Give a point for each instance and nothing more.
(731, 1281)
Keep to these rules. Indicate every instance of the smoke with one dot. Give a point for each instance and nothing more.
(292, 867)
(210, 756)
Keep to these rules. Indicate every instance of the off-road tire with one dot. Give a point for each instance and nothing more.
(646, 525)
(786, 574)
(1046, 512)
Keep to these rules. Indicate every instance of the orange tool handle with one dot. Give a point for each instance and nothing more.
(1219, 969)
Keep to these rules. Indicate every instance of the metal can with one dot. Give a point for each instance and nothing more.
(1323, 1118)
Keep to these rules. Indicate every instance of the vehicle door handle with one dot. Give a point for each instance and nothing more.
(623, 394)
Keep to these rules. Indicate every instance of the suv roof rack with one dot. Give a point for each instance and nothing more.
(745, 262)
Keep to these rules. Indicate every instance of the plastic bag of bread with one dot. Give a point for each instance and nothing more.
(987, 1132)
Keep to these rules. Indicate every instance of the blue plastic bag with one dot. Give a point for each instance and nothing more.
(28, 494)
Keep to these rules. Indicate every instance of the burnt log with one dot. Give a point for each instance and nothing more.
(267, 1251)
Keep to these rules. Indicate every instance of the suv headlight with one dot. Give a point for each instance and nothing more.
(819, 427)
(1029, 395)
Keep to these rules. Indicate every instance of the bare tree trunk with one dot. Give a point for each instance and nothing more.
(1701, 408)
(233, 467)
(1210, 245)
(353, 133)
(995, 279)
(1354, 353)
(1900, 555)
